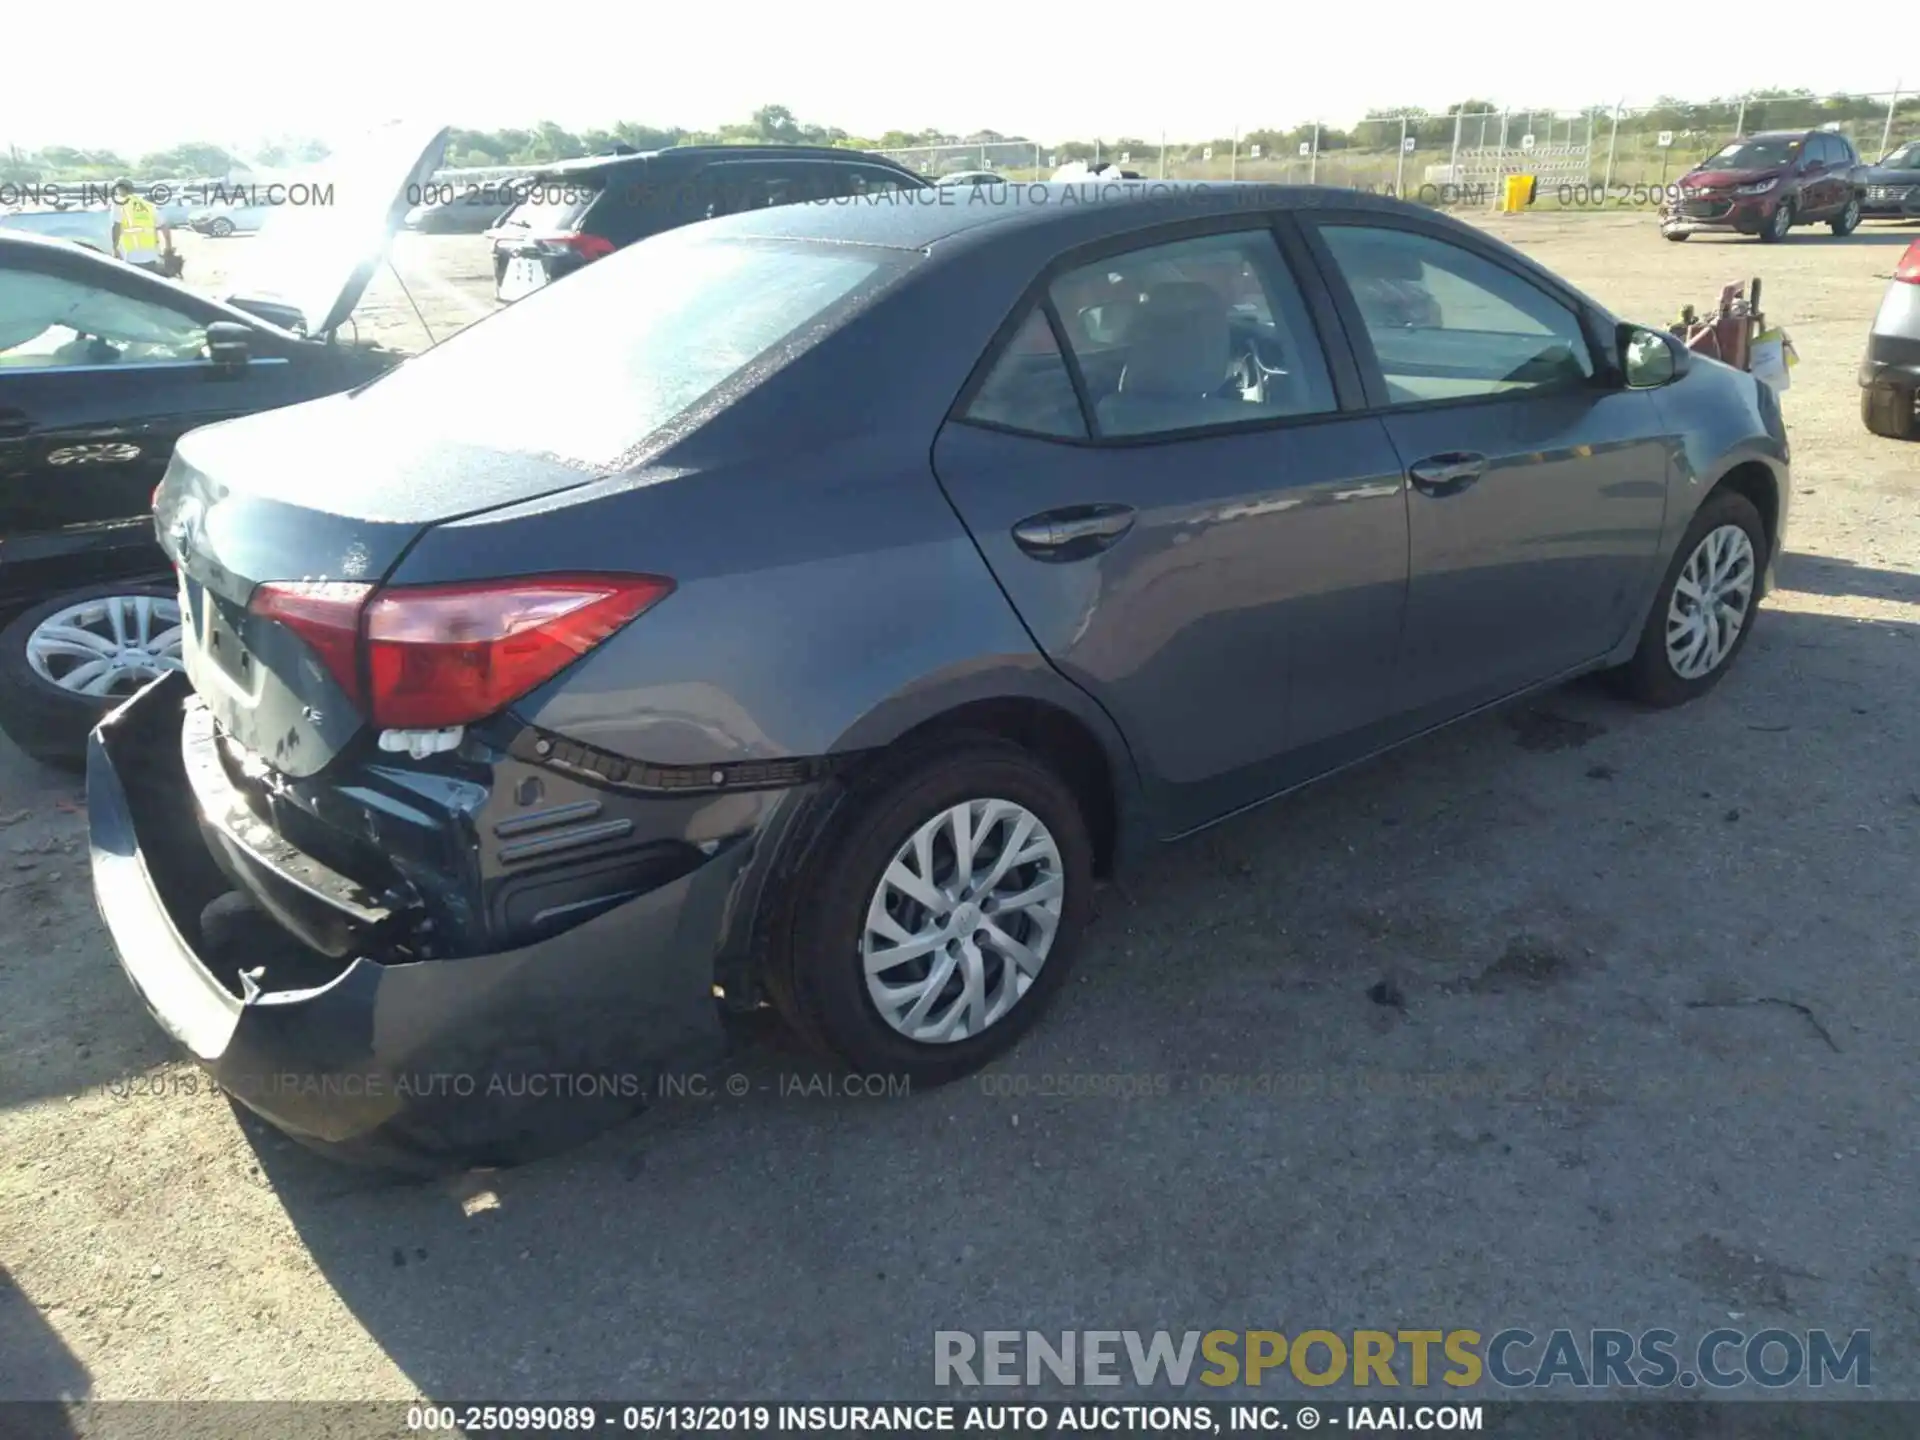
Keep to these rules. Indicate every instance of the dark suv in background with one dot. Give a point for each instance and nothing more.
(1766, 184)
(576, 211)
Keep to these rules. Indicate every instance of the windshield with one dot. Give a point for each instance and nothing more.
(586, 369)
(1907, 157)
(1767, 152)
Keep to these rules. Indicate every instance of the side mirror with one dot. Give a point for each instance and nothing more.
(1651, 358)
(228, 344)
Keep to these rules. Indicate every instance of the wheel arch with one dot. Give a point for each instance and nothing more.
(1756, 480)
(1034, 707)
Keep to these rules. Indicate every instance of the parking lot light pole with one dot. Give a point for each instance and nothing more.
(1739, 121)
(1400, 161)
(1453, 160)
(1886, 130)
(1313, 158)
(1163, 154)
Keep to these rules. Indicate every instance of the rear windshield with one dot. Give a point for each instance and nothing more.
(553, 204)
(591, 366)
(1764, 153)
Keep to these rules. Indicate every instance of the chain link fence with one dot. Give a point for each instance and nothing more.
(1598, 155)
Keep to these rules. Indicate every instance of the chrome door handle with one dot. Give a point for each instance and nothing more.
(1074, 532)
(1447, 474)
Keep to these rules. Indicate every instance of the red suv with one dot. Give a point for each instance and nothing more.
(1765, 185)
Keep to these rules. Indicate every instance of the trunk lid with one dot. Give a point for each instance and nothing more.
(311, 494)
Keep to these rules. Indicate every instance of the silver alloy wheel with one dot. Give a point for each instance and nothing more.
(1782, 219)
(962, 920)
(1712, 598)
(1850, 217)
(110, 645)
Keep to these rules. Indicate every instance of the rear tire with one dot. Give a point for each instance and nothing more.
(821, 984)
(1888, 410)
(50, 722)
(1656, 675)
(1778, 224)
(1848, 220)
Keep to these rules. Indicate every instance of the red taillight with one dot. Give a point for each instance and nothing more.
(325, 614)
(586, 246)
(450, 654)
(439, 655)
(1909, 267)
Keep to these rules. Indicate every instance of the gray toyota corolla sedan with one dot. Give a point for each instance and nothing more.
(803, 609)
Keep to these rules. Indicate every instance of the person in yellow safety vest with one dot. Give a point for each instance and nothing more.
(139, 236)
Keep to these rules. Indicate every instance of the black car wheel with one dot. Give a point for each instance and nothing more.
(1778, 223)
(938, 912)
(1676, 234)
(1704, 611)
(68, 661)
(1890, 410)
(1848, 220)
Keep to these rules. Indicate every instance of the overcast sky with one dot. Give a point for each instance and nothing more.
(1040, 68)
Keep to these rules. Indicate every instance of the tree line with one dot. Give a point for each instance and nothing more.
(776, 124)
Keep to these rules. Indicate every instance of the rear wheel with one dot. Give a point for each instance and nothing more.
(939, 913)
(1848, 220)
(1704, 610)
(1778, 223)
(65, 663)
(1890, 411)
(220, 226)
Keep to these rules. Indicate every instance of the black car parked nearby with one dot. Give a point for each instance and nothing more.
(102, 369)
(1893, 185)
(579, 210)
(843, 589)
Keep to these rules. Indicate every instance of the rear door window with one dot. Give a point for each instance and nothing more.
(736, 186)
(1028, 389)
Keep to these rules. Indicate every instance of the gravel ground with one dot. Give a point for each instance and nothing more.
(1572, 1016)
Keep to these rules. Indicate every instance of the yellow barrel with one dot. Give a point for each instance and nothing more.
(1519, 192)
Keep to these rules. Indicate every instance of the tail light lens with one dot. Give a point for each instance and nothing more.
(1909, 266)
(440, 655)
(578, 242)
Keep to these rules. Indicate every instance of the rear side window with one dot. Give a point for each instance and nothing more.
(872, 180)
(586, 371)
(1029, 389)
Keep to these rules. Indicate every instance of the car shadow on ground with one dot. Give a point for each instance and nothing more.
(1489, 905)
(35, 1365)
(1820, 575)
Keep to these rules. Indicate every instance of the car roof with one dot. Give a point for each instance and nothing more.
(920, 219)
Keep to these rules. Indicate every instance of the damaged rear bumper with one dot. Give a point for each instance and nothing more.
(487, 1059)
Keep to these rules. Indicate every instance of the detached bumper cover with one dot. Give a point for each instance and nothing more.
(488, 1059)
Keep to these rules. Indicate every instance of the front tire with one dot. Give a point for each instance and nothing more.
(1848, 220)
(220, 227)
(66, 662)
(1704, 609)
(1778, 224)
(939, 913)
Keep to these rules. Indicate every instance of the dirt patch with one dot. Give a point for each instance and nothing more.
(1544, 730)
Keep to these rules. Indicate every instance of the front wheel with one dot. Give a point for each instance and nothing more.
(939, 913)
(1778, 224)
(1675, 235)
(220, 227)
(1848, 220)
(1704, 610)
